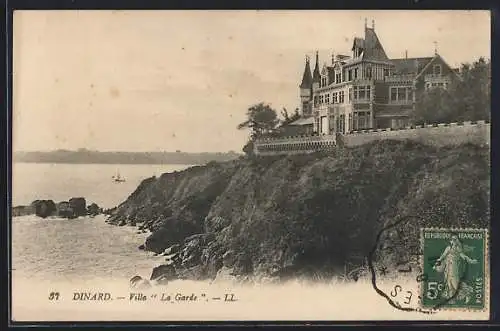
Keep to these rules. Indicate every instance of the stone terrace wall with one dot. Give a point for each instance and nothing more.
(294, 145)
(436, 135)
(440, 135)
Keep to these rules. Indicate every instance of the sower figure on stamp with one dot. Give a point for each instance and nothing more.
(450, 263)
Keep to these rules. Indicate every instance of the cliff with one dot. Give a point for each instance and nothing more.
(308, 214)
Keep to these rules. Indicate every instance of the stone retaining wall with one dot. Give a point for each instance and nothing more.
(449, 134)
(440, 135)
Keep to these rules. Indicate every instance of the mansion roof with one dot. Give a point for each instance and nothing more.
(410, 65)
(367, 49)
(372, 48)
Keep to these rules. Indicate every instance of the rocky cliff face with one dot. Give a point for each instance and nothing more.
(308, 214)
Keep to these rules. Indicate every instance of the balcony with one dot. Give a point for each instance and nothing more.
(361, 101)
(400, 78)
(434, 78)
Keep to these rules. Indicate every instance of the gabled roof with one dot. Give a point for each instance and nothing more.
(306, 77)
(410, 65)
(373, 49)
(358, 43)
(437, 56)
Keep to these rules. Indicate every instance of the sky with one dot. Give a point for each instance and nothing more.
(183, 80)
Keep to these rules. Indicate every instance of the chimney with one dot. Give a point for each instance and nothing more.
(373, 24)
(406, 54)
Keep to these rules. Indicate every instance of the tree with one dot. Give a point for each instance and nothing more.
(287, 119)
(261, 120)
(248, 148)
(467, 99)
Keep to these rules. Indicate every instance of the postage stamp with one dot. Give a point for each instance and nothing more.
(455, 268)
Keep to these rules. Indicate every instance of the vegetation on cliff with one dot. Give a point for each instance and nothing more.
(309, 214)
(466, 99)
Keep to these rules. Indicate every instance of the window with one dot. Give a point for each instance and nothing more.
(436, 69)
(335, 97)
(341, 97)
(401, 94)
(338, 77)
(356, 73)
(305, 107)
(323, 81)
(349, 75)
(331, 123)
(386, 72)
(327, 98)
(321, 99)
(316, 100)
(361, 120)
(362, 92)
(430, 85)
(340, 123)
(394, 94)
(368, 73)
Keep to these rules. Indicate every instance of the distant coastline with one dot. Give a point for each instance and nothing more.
(84, 156)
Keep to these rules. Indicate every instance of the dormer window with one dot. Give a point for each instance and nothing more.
(323, 81)
(436, 70)
(338, 77)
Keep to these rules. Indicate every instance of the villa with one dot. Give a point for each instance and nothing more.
(366, 90)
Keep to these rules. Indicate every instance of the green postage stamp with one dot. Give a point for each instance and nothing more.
(455, 269)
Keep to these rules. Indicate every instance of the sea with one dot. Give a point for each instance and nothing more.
(55, 262)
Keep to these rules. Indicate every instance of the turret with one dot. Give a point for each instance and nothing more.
(306, 89)
(316, 75)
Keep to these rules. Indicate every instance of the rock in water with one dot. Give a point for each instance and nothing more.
(44, 208)
(93, 210)
(64, 210)
(22, 210)
(163, 274)
(79, 206)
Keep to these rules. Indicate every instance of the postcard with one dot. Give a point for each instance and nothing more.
(257, 165)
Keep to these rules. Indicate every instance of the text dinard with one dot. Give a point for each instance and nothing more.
(105, 296)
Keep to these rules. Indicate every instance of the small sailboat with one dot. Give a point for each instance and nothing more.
(117, 178)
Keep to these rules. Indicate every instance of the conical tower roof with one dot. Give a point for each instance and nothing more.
(373, 49)
(306, 77)
(316, 74)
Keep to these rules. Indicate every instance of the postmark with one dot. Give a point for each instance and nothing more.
(455, 269)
